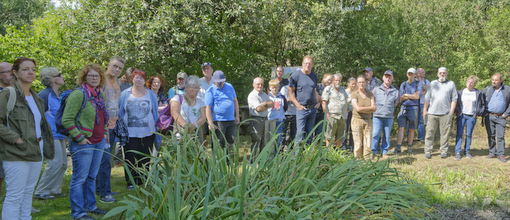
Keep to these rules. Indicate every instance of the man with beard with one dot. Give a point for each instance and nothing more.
(180, 87)
(335, 104)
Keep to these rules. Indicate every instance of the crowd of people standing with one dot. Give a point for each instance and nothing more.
(105, 115)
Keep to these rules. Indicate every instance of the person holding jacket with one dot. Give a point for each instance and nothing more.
(26, 137)
(470, 104)
(87, 139)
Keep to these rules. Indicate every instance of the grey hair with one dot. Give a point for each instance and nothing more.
(351, 79)
(47, 75)
(473, 78)
(192, 81)
(337, 74)
(118, 58)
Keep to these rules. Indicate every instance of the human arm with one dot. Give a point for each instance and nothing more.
(73, 105)
(208, 114)
(236, 106)
(360, 109)
(292, 98)
(318, 98)
(425, 108)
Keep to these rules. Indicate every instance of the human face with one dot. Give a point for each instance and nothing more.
(361, 84)
(496, 81)
(26, 73)
(258, 85)
(58, 79)
(368, 75)
(327, 81)
(337, 81)
(6, 77)
(387, 79)
(181, 82)
(411, 76)
(138, 81)
(273, 90)
(279, 72)
(352, 85)
(442, 76)
(207, 71)
(470, 85)
(156, 84)
(219, 85)
(93, 78)
(192, 91)
(307, 65)
(420, 74)
(115, 68)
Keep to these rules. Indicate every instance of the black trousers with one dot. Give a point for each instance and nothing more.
(134, 158)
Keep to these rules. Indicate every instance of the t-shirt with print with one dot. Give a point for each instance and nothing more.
(190, 114)
(468, 101)
(362, 102)
(138, 118)
(277, 111)
(111, 100)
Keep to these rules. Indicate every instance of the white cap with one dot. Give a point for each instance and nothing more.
(411, 70)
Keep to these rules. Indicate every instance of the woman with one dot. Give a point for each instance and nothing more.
(470, 104)
(363, 104)
(87, 139)
(351, 87)
(157, 85)
(51, 179)
(138, 109)
(189, 114)
(26, 137)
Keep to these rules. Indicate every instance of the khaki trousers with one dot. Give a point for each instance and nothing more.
(441, 122)
(362, 136)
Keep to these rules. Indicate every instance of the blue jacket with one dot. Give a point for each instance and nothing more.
(51, 106)
(480, 103)
(385, 102)
(487, 93)
(125, 95)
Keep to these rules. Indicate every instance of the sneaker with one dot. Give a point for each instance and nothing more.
(395, 151)
(409, 151)
(427, 155)
(444, 155)
(130, 187)
(468, 156)
(44, 196)
(35, 210)
(491, 156)
(457, 156)
(502, 159)
(98, 211)
(107, 199)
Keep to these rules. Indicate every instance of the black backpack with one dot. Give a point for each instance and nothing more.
(60, 112)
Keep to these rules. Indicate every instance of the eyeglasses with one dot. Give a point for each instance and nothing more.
(93, 76)
(8, 71)
(59, 75)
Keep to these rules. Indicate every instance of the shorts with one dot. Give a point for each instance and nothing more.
(408, 115)
(335, 129)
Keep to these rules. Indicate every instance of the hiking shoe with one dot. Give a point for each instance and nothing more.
(34, 210)
(491, 156)
(107, 199)
(395, 151)
(502, 159)
(427, 155)
(457, 156)
(468, 156)
(98, 211)
(444, 155)
(409, 151)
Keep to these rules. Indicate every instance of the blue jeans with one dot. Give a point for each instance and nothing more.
(86, 159)
(469, 122)
(103, 185)
(381, 125)
(421, 124)
(305, 121)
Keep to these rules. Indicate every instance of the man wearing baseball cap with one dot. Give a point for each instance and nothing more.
(222, 110)
(180, 87)
(206, 81)
(372, 81)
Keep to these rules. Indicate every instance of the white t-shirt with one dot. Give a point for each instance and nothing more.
(37, 117)
(203, 87)
(190, 114)
(468, 102)
(139, 119)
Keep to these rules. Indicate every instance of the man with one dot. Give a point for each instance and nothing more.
(386, 99)
(335, 102)
(303, 93)
(372, 81)
(127, 79)
(497, 97)
(112, 95)
(205, 81)
(6, 79)
(410, 98)
(326, 81)
(222, 110)
(258, 104)
(440, 103)
(420, 77)
(180, 87)
(279, 77)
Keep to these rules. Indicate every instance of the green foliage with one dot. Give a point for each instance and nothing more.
(20, 13)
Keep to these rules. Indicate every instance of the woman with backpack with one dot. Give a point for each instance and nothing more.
(138, 110)
(87, 127)
(26, 137)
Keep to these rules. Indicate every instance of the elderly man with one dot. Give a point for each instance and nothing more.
(258, 104)
(180, 87)
(303, 93)
(222, 110)
(326, 81)
(408, 115)
(335, 104)
(440, 103)
(372, 81)
(6, 79)
(497, 98)
(279, 77)
(386, 99)
(420, 77)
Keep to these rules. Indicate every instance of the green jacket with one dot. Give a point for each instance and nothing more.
(87, 118)
(22, 124)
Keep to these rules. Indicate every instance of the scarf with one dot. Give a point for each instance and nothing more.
(97, 101)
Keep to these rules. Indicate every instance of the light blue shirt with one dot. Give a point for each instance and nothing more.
(221, 102)
(171, 92)
(497, 103)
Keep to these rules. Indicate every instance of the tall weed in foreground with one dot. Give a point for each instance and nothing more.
(188, 182)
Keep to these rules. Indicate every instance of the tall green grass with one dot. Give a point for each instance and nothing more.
(189, 182)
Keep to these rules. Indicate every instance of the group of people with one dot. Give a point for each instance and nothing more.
(105, 112)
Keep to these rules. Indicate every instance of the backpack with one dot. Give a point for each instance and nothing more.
(10, 103)
(165, 119)
(60, 112)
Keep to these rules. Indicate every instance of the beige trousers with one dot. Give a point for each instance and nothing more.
(362, 136)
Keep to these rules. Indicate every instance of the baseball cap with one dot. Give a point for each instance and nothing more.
(206, 64)
(182, 75)
(388, 72)
(368, 69)
(411, 70)
(218, 76)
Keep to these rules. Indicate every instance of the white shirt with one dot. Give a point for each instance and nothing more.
(37, 118)
(468, 102)
(203, 87)
(190, 114)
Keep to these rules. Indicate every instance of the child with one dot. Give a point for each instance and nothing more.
(277, 113)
